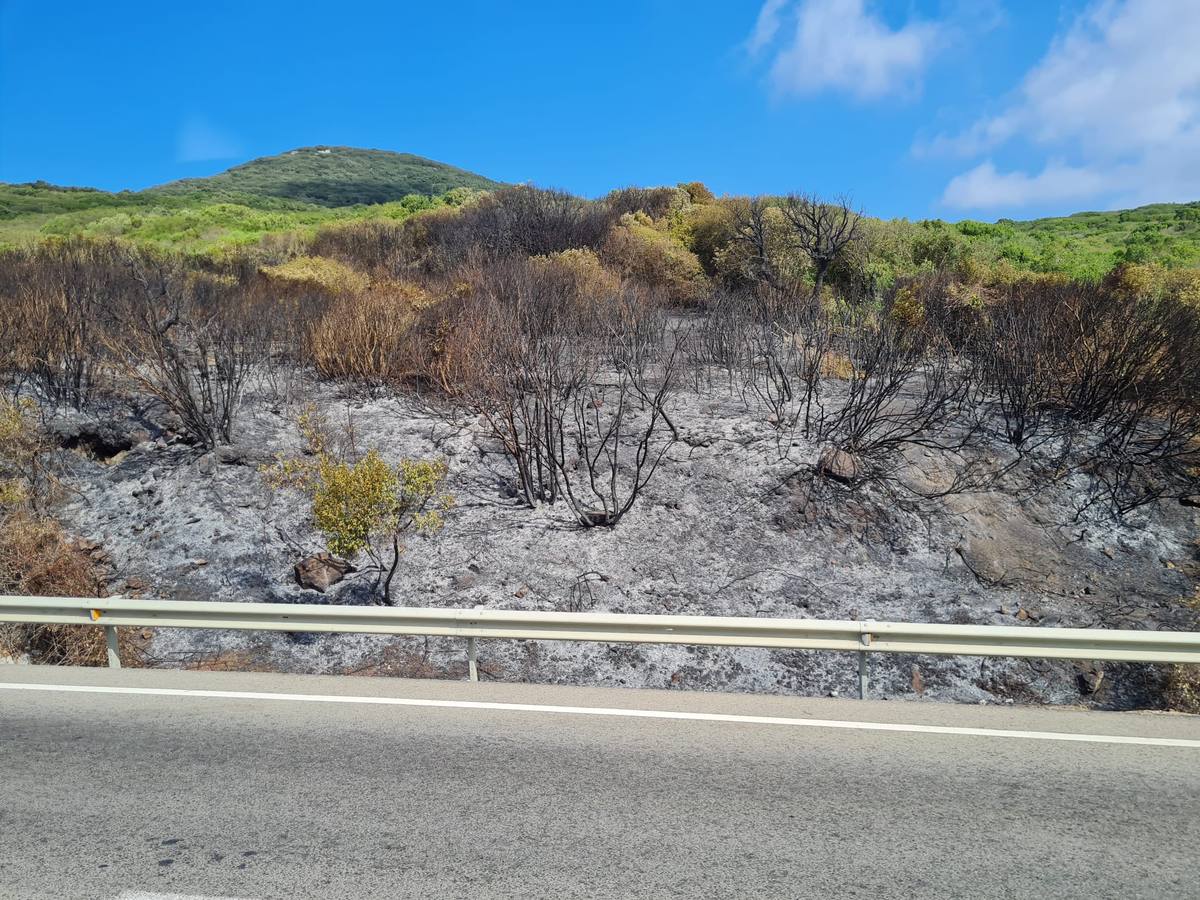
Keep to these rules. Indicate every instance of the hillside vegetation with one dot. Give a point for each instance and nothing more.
(288, 196)
(1088, 244)
(657, 401)
(334, 176)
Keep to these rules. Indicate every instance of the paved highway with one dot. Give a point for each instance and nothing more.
(143, 784)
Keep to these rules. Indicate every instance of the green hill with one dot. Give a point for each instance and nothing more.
(333, 176)
(1089, 243)
(306, 188)
(298, 190)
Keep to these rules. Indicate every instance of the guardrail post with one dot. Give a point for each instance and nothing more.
(864, 671)
(472, 669)
(110, 638)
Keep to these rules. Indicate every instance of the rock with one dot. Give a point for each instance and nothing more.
(101, 440)
(596, 518)
(465, 581)
(83, 545)
(206, 464)
(240, 455)
(321, 571)
(1089, 677)
(925, 472)
(918, 681)
(799, 510)
(839, 465)
(1192, 500)
(1001, 546)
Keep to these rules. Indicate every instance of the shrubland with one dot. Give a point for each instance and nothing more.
(521, 303)
(568, 331)
(784, 285)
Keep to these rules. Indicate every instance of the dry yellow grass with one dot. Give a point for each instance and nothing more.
(837, 365)
(363, 337)
(37, 559)
(328, 274)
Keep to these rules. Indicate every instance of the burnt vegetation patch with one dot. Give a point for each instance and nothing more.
(568, 325)
(571, 332)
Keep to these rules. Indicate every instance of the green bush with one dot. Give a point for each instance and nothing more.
(365, 507)
(641, 251)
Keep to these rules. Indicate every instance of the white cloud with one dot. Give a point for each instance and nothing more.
(767, 26)
(200, 140)
(984, 186)
(819, 45)
(1118, 95)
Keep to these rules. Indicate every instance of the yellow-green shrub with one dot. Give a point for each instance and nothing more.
(907, 308)
(577, 273)
(24, 475)
(327, 274)
(641, 251)
(364, 507)
(707, 228)
(1150, 281)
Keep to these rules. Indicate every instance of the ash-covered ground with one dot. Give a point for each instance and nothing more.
(721, 529)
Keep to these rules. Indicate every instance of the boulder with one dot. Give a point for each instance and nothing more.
(839, 465)
(1002, 546)
(1089, 676)
(321, 571)
(100, 439)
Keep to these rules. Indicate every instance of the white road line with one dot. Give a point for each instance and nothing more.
(618, 712)
(143, 895)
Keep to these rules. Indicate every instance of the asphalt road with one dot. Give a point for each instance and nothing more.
(357, 792)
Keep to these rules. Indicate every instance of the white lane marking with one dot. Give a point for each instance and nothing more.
(615, 711)
(143, 895)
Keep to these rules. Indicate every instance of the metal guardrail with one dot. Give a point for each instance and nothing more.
(861, 637)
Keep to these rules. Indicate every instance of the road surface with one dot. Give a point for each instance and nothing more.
(143, 784)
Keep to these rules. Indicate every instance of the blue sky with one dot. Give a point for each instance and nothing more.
(951, 108)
